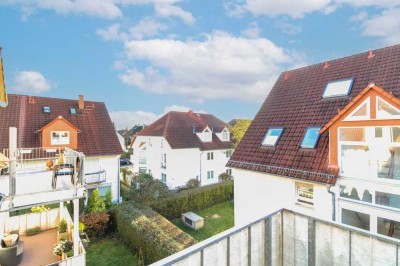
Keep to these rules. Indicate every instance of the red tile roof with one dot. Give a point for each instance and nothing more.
(97, 134)
(177, 129)
(295, 103)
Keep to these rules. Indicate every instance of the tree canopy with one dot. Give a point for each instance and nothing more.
(238, 129)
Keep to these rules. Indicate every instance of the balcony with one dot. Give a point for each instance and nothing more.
(41, 175)
(289, 238)
(96, 178)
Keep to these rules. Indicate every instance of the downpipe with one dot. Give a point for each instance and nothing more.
(328, 188)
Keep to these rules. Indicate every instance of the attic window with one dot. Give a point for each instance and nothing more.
(46, 109)
(272, 136)
(73, 111)
(310, 138)
(338, 88)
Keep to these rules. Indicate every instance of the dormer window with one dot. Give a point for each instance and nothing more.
(225, 135)
(207, 135)
(310, 138)
(338, 88)
(59, 137)
(272, 136)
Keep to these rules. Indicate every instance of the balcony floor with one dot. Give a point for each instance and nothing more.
(38, 249)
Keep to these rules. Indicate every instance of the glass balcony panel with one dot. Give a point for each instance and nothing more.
(355, 161)
(355, 194)
(388, 228)
(387, 199)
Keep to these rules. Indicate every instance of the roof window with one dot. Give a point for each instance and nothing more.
(272, 136)
(46, 109)
(73, 111)
(338, 88)
(311, 138)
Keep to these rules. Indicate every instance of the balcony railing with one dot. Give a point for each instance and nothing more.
(39, 170)
(96, 178)
(289, 238)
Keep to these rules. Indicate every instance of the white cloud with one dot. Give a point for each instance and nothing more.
(111, 33)
(220, 67)
(108, 9)
(123, 119)
(31, 82)
(288, 28)
(253, 31)
(147, 27)
(385, 25)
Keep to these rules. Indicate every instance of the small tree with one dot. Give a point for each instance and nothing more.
(238, 130)
(108, 199)
(95, 203)
(224, 177)
(192, 183)
(145, 188)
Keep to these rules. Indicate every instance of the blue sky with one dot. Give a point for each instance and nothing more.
(146, 57)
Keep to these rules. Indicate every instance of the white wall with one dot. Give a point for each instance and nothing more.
(258, 194)
(109, 163)
(217, 165)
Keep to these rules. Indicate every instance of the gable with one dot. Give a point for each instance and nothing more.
(59, 133)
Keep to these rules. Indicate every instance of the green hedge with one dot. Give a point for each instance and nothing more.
(193, 200)
(143, 229)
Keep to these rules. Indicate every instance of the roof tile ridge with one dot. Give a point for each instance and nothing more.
(166, 125)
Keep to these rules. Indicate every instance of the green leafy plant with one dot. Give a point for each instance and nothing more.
(95, 203)
(224, 177)
(192, 183)
(108, 199)
(32, 231)
(96, 223)
(62, 226)
(39, 209)
(145, 188)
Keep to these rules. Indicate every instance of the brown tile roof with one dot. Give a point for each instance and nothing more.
(177, 129)
(97, 134)
(295, 103)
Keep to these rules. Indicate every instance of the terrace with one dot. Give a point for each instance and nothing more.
(41, 176)
(289, 238)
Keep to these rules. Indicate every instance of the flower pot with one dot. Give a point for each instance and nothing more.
(59, 257)
(49, 164)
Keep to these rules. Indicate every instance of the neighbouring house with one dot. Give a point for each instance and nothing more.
(181, 146)
(83, 126)
(326, 143)
(121, 140)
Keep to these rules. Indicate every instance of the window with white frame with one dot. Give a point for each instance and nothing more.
(207, 135)
(369, 152)
(360, 113)
(210, 174)
(229, 171)
(164, 178)
(142, 157)
(305, 193)
(272, 136)
(59, 137)
(104, 190)
(142, 170)
(225, 135)
(228, 153)
(338, 88)
(385, 110)
(210, 156)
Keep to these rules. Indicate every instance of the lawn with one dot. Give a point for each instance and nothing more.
(110, 251)
(216, 219)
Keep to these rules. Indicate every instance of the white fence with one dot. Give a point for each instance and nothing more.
(288, 238)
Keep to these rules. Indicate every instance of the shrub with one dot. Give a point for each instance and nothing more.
(193, 200)
(108, 200)
(192, 183)
(224, 177)
(145, 231)
(62, 226)
(96, 223)
(95, 203)
(32, 231)
(146, 189)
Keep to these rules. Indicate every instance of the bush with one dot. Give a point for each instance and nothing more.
(108, 200)
(32, 231)
(193, 200)
(95, 203)
(96, 223)
(62, 226)
(224, 177)
(145, 231)
(192, 183)
(146, 189)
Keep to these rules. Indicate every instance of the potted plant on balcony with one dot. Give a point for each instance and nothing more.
(62, 230)
(66, 247)
(57, 251)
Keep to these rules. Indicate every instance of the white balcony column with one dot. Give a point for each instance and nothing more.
(12, 157)
(3, 217)
(62, 215)
(76, 227)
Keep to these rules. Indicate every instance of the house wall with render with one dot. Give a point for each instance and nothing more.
(110, 164)
(181, 164)
(257, 194)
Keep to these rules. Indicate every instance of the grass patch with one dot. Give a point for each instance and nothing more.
(110, 251)
(216, 220)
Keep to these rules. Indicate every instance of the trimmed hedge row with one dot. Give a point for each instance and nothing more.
(193, 200)
(143, 229)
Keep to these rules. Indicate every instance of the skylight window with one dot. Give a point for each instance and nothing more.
(338, 88)
(73, 111)
(272, 136)
(310, 138)
(46, 109)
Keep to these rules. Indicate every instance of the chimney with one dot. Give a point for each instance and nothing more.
(81, 102)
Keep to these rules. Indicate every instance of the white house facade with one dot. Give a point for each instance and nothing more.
(327, 145)
(181, 146)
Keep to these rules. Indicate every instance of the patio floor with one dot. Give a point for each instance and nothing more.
(38, 249)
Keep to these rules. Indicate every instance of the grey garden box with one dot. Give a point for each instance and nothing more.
(193, 220)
